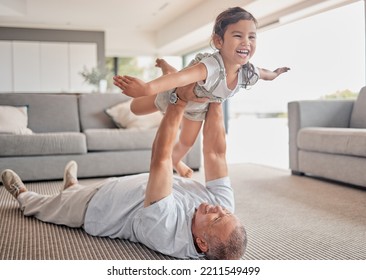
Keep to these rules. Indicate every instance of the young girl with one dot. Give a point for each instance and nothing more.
(218, 76)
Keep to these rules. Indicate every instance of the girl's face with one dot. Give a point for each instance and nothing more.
(239, 42)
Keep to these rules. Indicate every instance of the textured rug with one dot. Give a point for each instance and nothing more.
(298, 218)
(287, 218)
(26, 238)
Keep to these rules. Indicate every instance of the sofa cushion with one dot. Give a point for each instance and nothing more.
(42, 144)
(47, 112)
(358, 117)
(344, 141)
(123, 117)
(119, 139)
(92, 109)
(14, 120)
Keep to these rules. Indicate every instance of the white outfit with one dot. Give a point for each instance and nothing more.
(115, 209)
(214, 87)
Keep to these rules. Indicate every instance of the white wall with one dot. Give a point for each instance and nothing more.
(6, 66)
(26, 67)
(54, 72)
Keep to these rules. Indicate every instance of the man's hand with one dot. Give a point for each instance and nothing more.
(131, 86)
(186, 94)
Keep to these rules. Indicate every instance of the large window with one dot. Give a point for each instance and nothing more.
(326, 54)
(142, 67)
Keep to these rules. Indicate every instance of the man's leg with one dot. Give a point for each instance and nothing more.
(70, 175)
(66, 208)
(12, 182)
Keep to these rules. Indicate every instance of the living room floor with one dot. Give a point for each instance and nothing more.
(258, 140)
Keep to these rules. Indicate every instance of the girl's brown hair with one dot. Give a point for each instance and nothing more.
(230, 16)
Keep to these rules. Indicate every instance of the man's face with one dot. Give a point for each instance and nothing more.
(213, 220)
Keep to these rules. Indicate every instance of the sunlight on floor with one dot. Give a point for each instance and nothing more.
(258, 140)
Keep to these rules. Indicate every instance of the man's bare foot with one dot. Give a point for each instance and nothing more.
(165, 66)
(183, 170)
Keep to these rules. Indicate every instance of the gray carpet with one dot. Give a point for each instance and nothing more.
(298, 218)
(26, 238)
(286, 217)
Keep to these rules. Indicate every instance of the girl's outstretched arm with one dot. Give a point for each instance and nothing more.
(135, 87)
(269, 75)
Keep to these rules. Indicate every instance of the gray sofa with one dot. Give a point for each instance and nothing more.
(76, 127)
(327, 138)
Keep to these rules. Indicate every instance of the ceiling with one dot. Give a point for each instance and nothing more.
(146, 27)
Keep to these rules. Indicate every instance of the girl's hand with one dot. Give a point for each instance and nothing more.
(269, 75)
(131, 86)
(281, 70)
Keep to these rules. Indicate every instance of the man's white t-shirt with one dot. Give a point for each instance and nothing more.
(117, 211)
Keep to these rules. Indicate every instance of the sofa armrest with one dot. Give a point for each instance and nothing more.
(315, 113)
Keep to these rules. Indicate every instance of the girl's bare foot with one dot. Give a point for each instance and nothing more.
(165, 66)
(183, 170)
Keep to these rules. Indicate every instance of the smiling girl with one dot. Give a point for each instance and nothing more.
(218, 76)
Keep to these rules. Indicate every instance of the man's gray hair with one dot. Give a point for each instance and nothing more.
(233, 249)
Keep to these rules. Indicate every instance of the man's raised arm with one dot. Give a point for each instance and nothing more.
(161, 167)
(214, 144)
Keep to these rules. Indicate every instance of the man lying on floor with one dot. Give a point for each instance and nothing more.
(176, 216)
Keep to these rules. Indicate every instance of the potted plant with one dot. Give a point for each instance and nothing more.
(97, 77)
